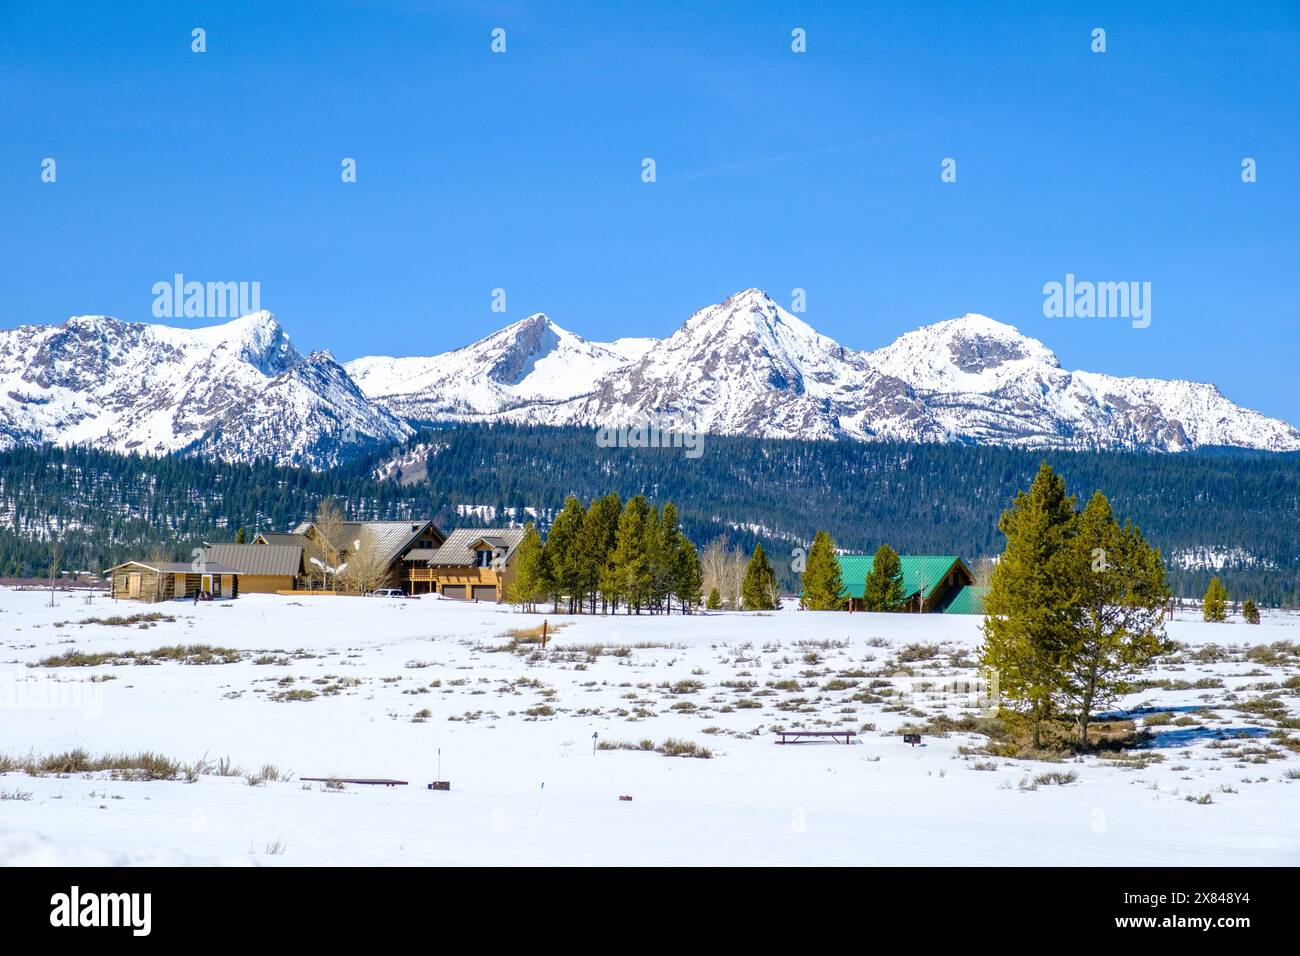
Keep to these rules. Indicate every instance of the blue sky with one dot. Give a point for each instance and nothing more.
(774, 169)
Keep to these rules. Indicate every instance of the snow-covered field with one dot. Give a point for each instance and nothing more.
(508, 721)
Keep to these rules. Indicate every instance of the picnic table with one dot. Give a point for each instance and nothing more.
(793, 736)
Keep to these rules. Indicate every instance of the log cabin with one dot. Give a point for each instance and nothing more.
(932, 584)
(151, 581)
(263, 568)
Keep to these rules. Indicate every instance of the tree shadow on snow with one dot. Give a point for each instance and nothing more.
(1176, 737)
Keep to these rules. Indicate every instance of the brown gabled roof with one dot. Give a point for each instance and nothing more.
(177, 567)
(269, 559)
(275, 537)
(391, 538)
(458, 549)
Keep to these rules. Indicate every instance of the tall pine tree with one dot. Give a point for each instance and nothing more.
(595, 544)
(758, 590)
(1214, 607)
(822, 581)
(688, 580)
(883, 589)
(1030, 606)
(528, 581)
(1120, 595)
(628, 574)
(562, 553)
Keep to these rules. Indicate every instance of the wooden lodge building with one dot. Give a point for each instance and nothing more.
(932, 584)
(151, 581)
(263, 569)
(473, 564)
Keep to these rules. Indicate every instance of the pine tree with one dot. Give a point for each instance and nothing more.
(240, 536)
(1250, 612)
(757, 590)
(822, 582)
(629, 572)
(528, 582)
(1120, 595)
(1214, 607)
(562, 554)
(688, 582)
(1029, 610)
(661, 556)
(715, 600)
(883, 589)
(594, 544)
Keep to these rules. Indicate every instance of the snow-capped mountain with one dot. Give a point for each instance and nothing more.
(746, 366)
(532, 361)
(236, 391)
(984, 381)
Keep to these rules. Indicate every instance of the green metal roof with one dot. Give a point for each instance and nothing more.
(918, 571)
(968, 600)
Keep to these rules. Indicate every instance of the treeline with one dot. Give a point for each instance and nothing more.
(606, 556)
(1238, 515)
(1231, 514)
(102, 507)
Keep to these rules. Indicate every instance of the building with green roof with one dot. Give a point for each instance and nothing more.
(932, 584)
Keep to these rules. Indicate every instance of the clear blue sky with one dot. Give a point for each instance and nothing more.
(775, 170)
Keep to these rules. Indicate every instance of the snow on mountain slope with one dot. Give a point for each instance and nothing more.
(987, 382)
(532, 360)
(236, 391)
(743, 367)
(746, 366)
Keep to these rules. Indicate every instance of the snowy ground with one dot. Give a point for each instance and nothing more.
(508, 721)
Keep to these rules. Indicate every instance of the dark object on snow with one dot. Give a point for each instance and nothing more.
(792, 736)
(912, 739)
(624, 797)
(440, 785)
(371, 781)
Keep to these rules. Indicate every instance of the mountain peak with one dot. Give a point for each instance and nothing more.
(957, 351)
(536, 321)
(748, 297)
(748, 312)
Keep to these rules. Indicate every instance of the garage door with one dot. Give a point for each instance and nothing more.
(485, 592)
(456, 591)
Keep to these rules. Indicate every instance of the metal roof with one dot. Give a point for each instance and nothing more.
(177, 567)
(457, 550)
(272, 559)
(968, 600)
(275, 537)
(390, 538)
(919, 571)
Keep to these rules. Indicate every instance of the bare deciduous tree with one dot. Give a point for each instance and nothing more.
(56, 566)
(724, 569)
(329, 522)
(366, 568)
